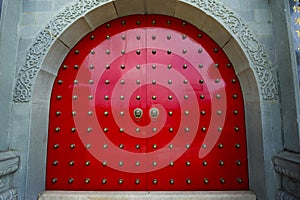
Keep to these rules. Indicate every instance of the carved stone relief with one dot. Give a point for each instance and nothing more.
(254, 50)
(283, 195)
(9, 195)
(9, 163)
(4, 183)
(287, 164)
(291, 174)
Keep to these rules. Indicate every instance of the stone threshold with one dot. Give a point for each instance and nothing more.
(169, 195)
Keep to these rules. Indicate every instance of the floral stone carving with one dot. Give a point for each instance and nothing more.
(254, 50)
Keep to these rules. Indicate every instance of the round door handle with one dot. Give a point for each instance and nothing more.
(154, 112)
(138, 113)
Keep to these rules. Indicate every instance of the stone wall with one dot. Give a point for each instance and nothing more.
(22, 21)
(37, 13)
(34, 17)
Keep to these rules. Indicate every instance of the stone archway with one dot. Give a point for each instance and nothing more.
(258, 81)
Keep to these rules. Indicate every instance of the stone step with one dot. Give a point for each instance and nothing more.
(170, 195)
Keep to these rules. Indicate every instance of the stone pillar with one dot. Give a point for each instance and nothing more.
(287, 162)
(9, 164)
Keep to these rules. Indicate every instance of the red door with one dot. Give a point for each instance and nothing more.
(147, 102)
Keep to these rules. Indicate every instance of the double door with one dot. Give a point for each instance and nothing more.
(146, 102)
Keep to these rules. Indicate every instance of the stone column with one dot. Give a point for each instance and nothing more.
(287, 162)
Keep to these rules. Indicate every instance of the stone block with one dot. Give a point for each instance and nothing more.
(55, 57)
(246, 15)
(272, 141)
(262, 16)
(43, 18)
(261, 29)
(59, 4)
(254, 135)
(202, 21)
(252, 4)
(272, 126)
(20, 130)
(36, 164)
(242, 68)
(190, 14)
(288, 80)
(234, 4)
(223, 195)
(20, 127)
(24, 46)
(268, 41)
(101, 15)
(30, 31)
(290, 125)
(27, 19)
(130, 7)
(249, 85)
(165, 7)
(37, 6)
(43, 86)
(75, 32)
(237, 56)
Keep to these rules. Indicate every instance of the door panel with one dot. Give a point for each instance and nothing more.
(147, 102)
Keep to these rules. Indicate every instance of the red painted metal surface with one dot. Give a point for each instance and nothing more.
(146, 102)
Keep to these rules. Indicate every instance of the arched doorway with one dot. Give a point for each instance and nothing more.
(140, 99)
(249, 59)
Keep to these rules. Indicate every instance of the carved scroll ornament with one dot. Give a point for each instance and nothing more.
(254, 50)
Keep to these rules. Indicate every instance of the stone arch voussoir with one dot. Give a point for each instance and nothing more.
(252, 48)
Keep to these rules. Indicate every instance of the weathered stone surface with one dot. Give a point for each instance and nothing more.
(165, 7)
(9, 163)
(10, 194)
(77, 27)
(75, 32)
(130, 7)
(20, 130)
(283, 195)
(288, 165)
(238, 195)
(100, 15)
(10, 17)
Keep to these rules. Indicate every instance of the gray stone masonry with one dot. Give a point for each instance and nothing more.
(36, 14)
(21, 22)
(8, 48)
